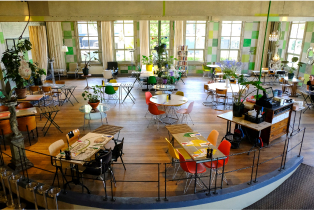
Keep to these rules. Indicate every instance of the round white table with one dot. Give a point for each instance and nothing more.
(235, 88)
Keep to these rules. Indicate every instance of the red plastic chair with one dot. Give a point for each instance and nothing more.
(224, 147)
(153, 109)
(190, 168)
(148, 95)
(186, 112)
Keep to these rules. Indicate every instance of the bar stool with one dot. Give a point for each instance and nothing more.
(32, 187)
(15, 178)
(3, 198)
(5, 176)
(54, 193)
(43, 190)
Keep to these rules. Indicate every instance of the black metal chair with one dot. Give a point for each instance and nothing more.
(99, 167)
(113, 66)
(117, 151)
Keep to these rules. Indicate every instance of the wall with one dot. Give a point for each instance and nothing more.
(283, 40)
(69, 40)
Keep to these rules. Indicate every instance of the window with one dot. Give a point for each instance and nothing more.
(88, 39)
(124, 40)
(195, 39)
(153, 34)
(295, 40)
(230, 40)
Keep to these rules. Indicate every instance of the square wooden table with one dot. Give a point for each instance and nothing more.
(110, 130)
(31, 98)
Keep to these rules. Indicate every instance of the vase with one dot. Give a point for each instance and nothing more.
(20, 93)
(227, 83)
(290, 75)
(94, 105)
(149, 67)
(85, 71)
(238, 110)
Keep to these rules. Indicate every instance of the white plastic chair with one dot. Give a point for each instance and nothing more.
(186, 112)
(107, 75)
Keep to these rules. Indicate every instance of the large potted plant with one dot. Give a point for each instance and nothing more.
(13, 61)
(93, 98)
(37, 73)
(292, 68)
(148, 61)
(88, 59)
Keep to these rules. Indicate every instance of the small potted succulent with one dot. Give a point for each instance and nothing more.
(93, 98)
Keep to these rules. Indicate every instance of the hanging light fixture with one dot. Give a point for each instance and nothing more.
(276, 57)
(273, 37)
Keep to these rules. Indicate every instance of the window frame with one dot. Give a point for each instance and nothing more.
(161, 36)
(240, 44)
(289, 39)
(79, 56)
(205, 40)
(124, 49)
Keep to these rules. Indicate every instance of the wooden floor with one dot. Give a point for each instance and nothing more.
(147, 145)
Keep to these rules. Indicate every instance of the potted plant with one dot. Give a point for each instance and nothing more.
(292, 68)
(87, 61)
(13, 61)
(164, 79)
(230, 68)
(148, 61)
(37, 73)
(170, 61)
(93, 98)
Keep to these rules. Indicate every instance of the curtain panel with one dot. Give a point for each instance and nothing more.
(38, 38)
(55, 43)
(178, 36)
(144, 38)
(106, 37)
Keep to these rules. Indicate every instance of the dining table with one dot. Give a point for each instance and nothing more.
(146, 74)
(169, 104)
(32, 98)
(212, 66)
(294, 86)
(19, 113)
(117, 85)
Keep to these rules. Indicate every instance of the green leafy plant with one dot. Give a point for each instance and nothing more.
(95, 96)
(292, 68)
(147, 60)
(37, 72)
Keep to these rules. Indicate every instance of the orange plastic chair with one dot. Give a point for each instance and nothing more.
(186, 112)
(60, 82)
(212, 137)
(4, 108)
(153, 109)
(27, 124)
(224, 147)
(190, 168)
(73, 135)
(5, 128)
(34, 89)
(24, 105)
(48, 81)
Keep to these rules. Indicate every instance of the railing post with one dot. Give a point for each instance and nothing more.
(215, 191)
(222, 173)
(165, 199)
(283, 153)
(195, 178)
(111, 177)
(259, 152)
(284, 165)
(24, 154)
(301, 142)
(252, 169)
(158, 199)
(210, 176)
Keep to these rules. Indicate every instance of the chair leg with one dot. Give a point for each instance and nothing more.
(3, 140)
(29, 139)
(191, 119)
(105, 187)
(37, 131)
(84, 123)
(122, 162)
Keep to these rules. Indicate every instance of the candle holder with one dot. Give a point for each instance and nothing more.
(54, 192)
(6, 175)
(42, 190)
(15, 178)
(32, 187)
(3, 198)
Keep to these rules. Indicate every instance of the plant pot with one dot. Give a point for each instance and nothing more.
(37, 81)
(290, 75)
(94, 105)
(165, 81)
(85, 71)
(149, 67)
(238, 110)
(20, 93)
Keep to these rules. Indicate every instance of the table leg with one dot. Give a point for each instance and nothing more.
(294, 90)
(76, 179)
(87, 87)
(71, 92)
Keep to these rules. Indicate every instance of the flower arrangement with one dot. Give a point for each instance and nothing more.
(230, 66)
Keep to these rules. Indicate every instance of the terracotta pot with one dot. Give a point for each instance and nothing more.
(94, 105)
(20, 93)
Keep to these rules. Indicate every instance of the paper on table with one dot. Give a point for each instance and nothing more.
(195, 134)
(189, 143)
(205, 144)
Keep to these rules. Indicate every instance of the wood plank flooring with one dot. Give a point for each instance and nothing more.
(147, 145)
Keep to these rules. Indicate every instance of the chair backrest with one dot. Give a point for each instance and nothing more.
(221, 91)
(148, 95)
(218, 70)
(46, 89)
(5, 127)
(4, 108)
(112, 64)
(105, 160)
(60, 82)
(188, 166)
(190, 108)
(118, 149)
(234, 81)
(24, 105)
(174, 154)
(55, 147)
(152, 80)
(153, 109)
(73, 135)
(225, 147)
(114, 81)
(265, 69)
(206, 87)
(180, 93)
(73, 67)
(212, 137)
(109, 90)
(107, 74)
(48, 81)
(34, 88)
(26, 123)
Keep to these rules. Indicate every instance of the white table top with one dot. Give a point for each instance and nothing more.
(232, 87)
(87, 108)
(147, 74)
(112, 84)
(294, 80)
(213, 66)
(176, 100)
(164, 87)
(54, 86)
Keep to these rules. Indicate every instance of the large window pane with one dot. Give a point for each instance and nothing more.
(224, 55)
(291, 47)
(83, 55)
(191, 55)
(226, 30)
(82, 29)
(84, 42)
(301, 31)
(230, 40)
(118, 29)
(190, 29)
(153, 42)
(236, 30)
(93, 42)
(165, 29)
(92, 29)
(190, 42)
(294, 31)
(233, 55)
(129, 42)
(199, 55)
(200, 29)
(128, 55)
(298, 47)
(153, 30)
(235, 43)
(165, 40)
(128, 30)
(200, 42)
(120, 55)
(119, 44)
(225, 42)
